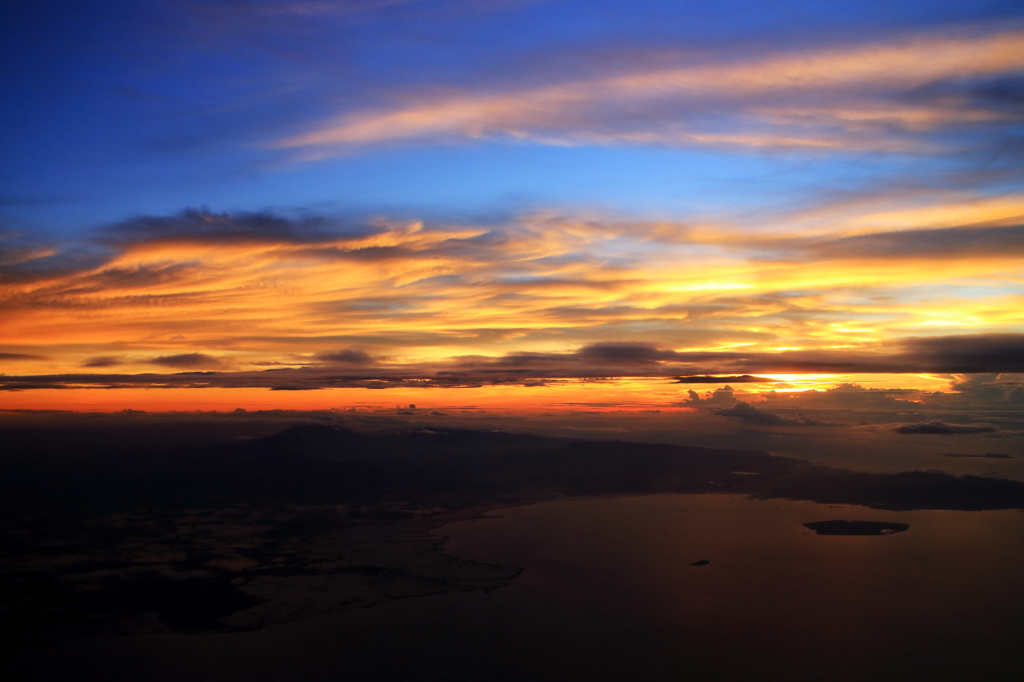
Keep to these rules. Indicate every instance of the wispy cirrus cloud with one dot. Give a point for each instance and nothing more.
(900, 95)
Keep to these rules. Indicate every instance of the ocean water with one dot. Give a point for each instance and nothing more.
(609, 592)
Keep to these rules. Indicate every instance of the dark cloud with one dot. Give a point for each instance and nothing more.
(347, 356)
(316, 236)
(20, 356)
(81, 266)
(953, 354)
(187, 361)
(597, 359)
(312, 236)
(226, 228)
(625, 353)
(22, 383)
(102, 361)
(523, 360)
(963, 354)
(943, 429)
(968, 354)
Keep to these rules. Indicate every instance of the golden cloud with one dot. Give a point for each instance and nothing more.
(407, 295)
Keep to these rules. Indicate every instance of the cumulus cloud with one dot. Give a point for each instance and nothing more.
(748, 414)
(993, 388)
(720, 396)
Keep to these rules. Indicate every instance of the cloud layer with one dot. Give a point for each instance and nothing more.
(536, 295)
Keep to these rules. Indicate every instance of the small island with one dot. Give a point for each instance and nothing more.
(856, 527)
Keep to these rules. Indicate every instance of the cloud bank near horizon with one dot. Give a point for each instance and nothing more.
(537, 295)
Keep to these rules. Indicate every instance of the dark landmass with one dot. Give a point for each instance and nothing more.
(132, 525)
(700, 562)
(856, 527)
(987, 455)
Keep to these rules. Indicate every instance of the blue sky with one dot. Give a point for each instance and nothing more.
(116, 109)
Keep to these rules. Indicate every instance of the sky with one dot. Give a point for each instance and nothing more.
(535, 202)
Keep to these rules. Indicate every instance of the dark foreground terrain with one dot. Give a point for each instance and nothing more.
(128, 527)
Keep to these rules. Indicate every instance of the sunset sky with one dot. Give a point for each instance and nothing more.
(507, 203)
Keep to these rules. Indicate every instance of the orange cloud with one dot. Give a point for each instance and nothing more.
(240, 294)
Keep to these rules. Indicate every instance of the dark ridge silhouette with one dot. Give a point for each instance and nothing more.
(110, 518)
